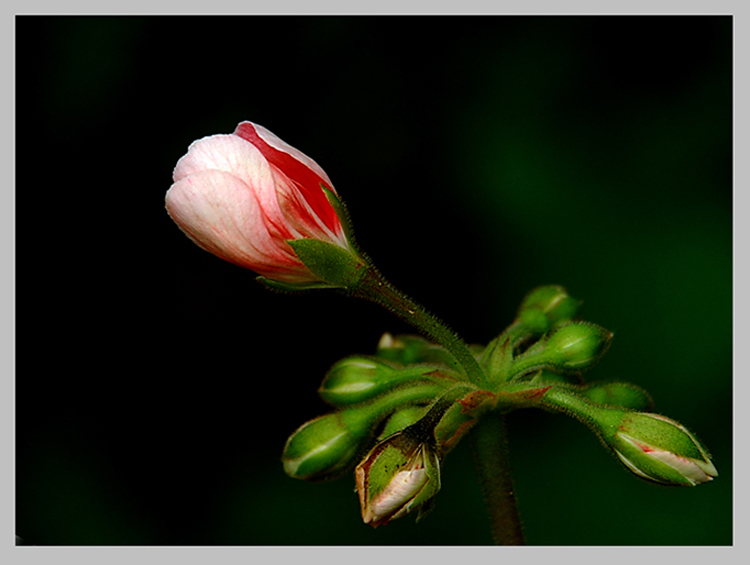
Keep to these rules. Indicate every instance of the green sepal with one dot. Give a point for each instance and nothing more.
(290, 287)
(514, 396)
(333, 265)
(343, 214)
(497, 359)
(454, 425)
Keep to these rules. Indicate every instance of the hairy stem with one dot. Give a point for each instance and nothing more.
(490, 448)
(374, 287)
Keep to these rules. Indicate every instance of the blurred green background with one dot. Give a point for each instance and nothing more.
(479, 156)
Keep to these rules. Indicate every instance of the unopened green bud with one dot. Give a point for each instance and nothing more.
(541, 311)
(624, 395)
(402, 472)
(324, 447)
(359, 379)
(577, 346)
(651, 446)
(398, 476)
(409, 349)
(551, 301)
(574, 346)
(533, 321)
(660, 450)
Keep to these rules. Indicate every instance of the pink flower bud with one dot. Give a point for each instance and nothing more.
(242, 196)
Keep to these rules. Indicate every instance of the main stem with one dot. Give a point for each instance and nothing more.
(488, 436)
(490, 448)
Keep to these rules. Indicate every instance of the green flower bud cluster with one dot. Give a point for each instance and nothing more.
(397, 413)
(374, 397)
(544, 336)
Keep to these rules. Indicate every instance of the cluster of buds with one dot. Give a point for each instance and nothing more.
(404, 408)
(392, 421)
(255, 201)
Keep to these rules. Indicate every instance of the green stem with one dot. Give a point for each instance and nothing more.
(559, 399)
(373, 286)
(488, 435)
(490, 445)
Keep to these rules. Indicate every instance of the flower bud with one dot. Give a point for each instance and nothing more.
(409, 349)
(359, 378)
(574, 346)
(398, 476)
(661, 450)
(402, 472)
(577, 345)
(551, 301)
(652, 446)
(253, 200)
(324, 447)
(625, 395)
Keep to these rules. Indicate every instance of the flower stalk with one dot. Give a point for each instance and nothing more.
(374, 287)
(491, 455)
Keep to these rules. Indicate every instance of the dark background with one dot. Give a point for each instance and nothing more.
(479, 157)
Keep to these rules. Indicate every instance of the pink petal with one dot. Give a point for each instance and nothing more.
(240, 158)
(304, 173)
(279, 144)
(220, 213)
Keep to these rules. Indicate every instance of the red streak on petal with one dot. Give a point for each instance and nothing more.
(302, 176)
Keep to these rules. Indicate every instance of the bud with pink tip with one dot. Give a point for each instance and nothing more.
(250, 199)
(661, 450)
